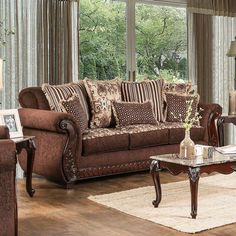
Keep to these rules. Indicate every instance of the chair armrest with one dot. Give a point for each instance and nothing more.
(209, 113)
(4, 132)
(7, 155)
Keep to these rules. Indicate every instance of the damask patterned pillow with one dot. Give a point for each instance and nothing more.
(73, 106)
(147, 90)
(101, 95)
(178, 87)
(57, 93)
(131, 113)
(177, 106)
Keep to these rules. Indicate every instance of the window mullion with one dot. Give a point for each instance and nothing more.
(131, 58)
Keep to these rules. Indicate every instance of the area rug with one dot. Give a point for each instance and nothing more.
(216, 203)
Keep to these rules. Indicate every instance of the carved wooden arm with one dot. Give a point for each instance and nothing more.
(60, 123)
(209, 114)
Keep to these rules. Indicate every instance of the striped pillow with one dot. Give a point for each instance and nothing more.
(57, 93)
(143, 91)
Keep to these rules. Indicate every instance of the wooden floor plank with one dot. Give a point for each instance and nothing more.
(56, 211)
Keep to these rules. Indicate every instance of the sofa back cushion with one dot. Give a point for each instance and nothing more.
(178, 87)
(143, 91)
(101, 95)
(33, 97)
(57, 93)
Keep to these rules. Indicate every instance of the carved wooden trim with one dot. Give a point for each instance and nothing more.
(154, 166)
(99, 171)
(68, 165)
(213, 138)
(194, 174)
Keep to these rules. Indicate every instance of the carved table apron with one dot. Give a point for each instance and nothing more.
(28, 144)
(193, 174)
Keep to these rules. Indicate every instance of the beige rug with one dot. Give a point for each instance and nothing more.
(216, 203)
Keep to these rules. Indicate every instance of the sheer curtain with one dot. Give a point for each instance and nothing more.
(44, 47)
(212, 26)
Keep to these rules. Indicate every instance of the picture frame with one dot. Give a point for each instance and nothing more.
(11, 119)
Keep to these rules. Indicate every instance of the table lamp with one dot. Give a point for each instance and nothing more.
(232, 94)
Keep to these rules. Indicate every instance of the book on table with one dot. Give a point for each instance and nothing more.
(229, 149)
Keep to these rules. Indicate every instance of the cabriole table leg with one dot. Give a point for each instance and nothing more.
(154, 169)
(30, 162)
(194, 174)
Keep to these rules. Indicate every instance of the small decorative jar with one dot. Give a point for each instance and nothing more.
(187, 147)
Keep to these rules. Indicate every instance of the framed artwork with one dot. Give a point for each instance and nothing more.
(11, 119)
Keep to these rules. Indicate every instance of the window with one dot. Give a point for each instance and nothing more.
(161, 42)
(102, 39)
(133, 40)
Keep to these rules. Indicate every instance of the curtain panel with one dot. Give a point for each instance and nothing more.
(44, 48)
(57, 39)
(210, 34)
(213, 7)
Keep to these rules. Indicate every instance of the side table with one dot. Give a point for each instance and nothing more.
(224, 119)
(27, 143)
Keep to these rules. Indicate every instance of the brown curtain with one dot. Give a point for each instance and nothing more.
(201, 55)
(207, 49)
(55, 58)
(213, 7)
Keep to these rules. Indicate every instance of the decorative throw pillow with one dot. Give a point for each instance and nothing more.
(185, 88)
(131, 113)
(178, 87)
(147, 90)
(177, 106)
(74, 107)
(56, 93)
(101, 95)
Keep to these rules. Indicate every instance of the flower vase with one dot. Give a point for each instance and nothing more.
(187, 147)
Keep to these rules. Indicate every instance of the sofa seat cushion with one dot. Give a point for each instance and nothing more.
(99, 140)
(165, 133)
(177, 132)
(146, 135)
(136, 136)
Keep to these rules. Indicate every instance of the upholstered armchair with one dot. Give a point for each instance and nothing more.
(8, 203)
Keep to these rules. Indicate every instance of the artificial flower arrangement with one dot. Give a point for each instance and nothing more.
(190, 119)
(187, 146)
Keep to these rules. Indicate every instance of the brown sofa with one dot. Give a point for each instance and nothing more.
(8, 203)
(65, 155)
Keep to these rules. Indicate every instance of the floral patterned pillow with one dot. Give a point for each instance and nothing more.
(101, 95)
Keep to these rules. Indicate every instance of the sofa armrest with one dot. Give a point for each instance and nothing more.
(209, 113)
(44, 120)
(61, 123)
(4, 132)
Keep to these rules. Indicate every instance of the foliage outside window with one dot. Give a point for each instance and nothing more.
(161, 40)
(102, 39)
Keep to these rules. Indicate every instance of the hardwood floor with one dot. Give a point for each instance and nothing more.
(54, 211)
